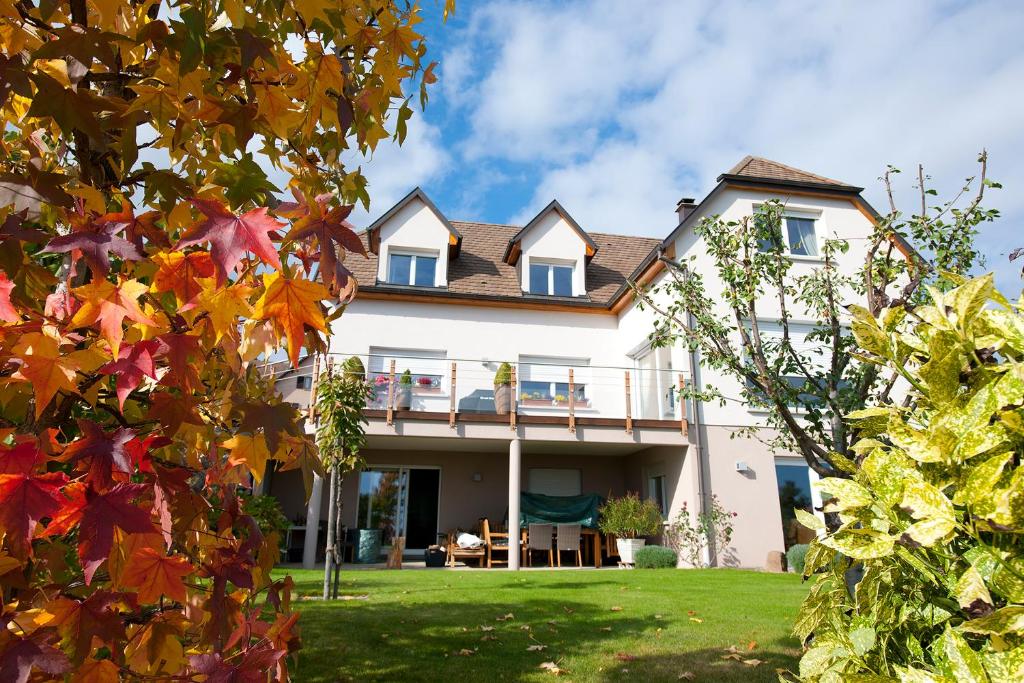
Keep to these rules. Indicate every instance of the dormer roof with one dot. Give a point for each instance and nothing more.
(373, 232)
(513, 249)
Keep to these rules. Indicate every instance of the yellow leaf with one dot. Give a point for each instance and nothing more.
(48, 370)
(250, 451)
(291, 304)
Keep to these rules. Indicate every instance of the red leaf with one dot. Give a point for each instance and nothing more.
(132, 363)
(70, 512)
(34, 652)
(104, 453)
(329, 228)
(103, 512)
(230, 236)
(95, 241)
(26, 497)
(180, 351)
(251, 668)
(79, 621)
(7, 311)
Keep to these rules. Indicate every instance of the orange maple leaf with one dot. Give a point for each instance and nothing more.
(108, 304)
(155, 574)
(178, 273)
(45, 367)
(290, 304)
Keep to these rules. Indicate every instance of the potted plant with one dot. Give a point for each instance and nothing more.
(503, 389)
(403, 393)
(629, 519)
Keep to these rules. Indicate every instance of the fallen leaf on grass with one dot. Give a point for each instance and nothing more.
(524, 627)
(551, 622)
(691, 613)
(686, 676)
(465, 652)
(733, 649)
(752, 645)
(606, 628)
(489, 637)
(551, 667)
(657, 616)
(568, 610)
(616, 609)
(753, 662)
(486, 628)
(354, 597)
(536, 648)
(697, 620)
(733, 656)
(505, 617)
(624, 657)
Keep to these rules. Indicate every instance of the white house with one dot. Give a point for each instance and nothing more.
(594, 408)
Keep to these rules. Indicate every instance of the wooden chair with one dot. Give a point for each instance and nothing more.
(455, 552)
(539, 539)
(494, 540)
(568, 538)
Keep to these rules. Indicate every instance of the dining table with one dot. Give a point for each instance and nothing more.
(589, 537)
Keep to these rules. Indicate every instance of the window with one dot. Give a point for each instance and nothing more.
(418, 270)
(656, 492)
(550, 279)
(303, 382)
(794, 493)
(549, 481)
(544, 381)
(800, 238)
(426, 367)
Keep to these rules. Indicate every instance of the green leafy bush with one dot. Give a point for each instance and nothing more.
(266, 510)
(353, 367)
(795, 557)
(654, 557)
(503, 377)
(933, 507)
(630, 517)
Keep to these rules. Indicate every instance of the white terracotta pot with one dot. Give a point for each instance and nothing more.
(628, 546)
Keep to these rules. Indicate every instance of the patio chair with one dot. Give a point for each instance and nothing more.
(494, 540)
(568, 538)
(457, 553)
(538, 539)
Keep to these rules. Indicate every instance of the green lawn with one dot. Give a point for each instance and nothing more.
(645, 625)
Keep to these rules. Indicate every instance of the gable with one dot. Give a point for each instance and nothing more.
(549, 217)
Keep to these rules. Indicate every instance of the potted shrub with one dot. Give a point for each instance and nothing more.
(503, 389)
(629, 519)
(403, 392)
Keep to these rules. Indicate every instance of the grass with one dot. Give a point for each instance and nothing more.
(647, 625)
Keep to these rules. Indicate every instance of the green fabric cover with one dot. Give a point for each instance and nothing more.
(536, 508)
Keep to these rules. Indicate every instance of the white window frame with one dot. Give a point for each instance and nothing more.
(656, 481)
(806, 214)
(551, 264)
(415, 255)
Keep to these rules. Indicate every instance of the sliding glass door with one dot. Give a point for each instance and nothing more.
(400, 501)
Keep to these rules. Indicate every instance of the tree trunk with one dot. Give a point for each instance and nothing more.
(339, 537)
(331, 532)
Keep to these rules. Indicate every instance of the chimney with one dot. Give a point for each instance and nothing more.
(684, 208)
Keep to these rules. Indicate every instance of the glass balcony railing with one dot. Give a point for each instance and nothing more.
(467, 387)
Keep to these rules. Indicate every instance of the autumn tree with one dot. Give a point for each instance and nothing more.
(147, 266)
(806, 378)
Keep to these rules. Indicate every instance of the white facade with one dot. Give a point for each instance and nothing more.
(426, 335)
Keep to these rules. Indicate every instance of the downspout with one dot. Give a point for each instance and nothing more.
(703, 475)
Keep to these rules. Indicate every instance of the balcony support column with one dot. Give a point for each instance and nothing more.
(514, 469)
(312, 523)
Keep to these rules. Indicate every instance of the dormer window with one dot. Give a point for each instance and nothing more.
(552, 279)
(412, 268)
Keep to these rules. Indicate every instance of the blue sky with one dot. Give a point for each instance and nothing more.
(618, 109)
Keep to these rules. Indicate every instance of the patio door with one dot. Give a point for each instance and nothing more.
(400, 501)
(655, 392)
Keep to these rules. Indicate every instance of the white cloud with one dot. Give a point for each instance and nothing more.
(623, 108)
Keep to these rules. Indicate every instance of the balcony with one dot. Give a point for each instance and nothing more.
(568, 394)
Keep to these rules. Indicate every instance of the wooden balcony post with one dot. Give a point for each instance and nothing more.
(572, 403)
(629, 407)
(513, 406)
(451, 404)
(313, 381)
(682, 407)
(391, 393)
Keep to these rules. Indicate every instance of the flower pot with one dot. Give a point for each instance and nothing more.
(627, 547)
(403, 397)
(502, 399)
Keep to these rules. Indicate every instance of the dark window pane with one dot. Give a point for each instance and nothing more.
(535, 390)
(538, 279)
(802, 241)
(767, 237)
(425, 267)
(398, 271)
(563, 280)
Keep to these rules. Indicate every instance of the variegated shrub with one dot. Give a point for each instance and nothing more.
(934, 509)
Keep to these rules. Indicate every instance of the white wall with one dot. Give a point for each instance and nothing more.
(554, 240)
(415, 228)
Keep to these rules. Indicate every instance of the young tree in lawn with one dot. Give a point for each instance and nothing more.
(807, 382)
(341, 395)
(146, 266)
